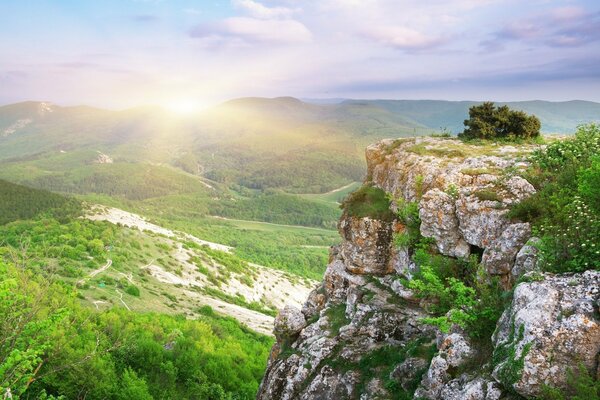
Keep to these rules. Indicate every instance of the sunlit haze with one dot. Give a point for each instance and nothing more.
(185, 55)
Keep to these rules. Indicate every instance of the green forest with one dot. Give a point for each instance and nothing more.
(54, 345)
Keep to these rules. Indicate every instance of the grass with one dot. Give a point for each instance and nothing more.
(369, 201)
(336, 316)
(479, 171)
(333, 197)
(487, 195)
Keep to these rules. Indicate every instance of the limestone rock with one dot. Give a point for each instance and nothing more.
(406, 372)
(500, 256)
(289, 322)
(314, 304)
(366, 246)
(551, 325)
(454, 350)
(439, 221)
(481, 222)
(526, 260)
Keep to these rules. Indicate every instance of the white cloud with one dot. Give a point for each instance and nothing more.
(259, 10)
(403, 38)
(253, 30)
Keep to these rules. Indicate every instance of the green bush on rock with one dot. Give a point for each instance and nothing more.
(487, 121)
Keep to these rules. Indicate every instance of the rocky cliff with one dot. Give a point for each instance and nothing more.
(365, 334)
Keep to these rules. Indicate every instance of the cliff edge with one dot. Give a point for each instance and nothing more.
(370, 330)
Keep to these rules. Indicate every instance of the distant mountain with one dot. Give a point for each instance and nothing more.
(256, 143)
(556, 117)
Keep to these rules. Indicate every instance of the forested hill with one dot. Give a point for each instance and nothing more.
(556, 117)
(256, 143)
(20, 202)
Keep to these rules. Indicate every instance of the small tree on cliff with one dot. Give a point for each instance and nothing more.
(486, 121)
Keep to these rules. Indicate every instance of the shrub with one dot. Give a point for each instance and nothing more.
(132, 290)
(487, 121)
(565, 210)
(580, 386)
(368, 201)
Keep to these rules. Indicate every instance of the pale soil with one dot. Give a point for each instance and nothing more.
(270, 287)
(131, 220)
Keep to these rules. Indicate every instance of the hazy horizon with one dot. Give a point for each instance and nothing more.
(182, 53)
(316, 101)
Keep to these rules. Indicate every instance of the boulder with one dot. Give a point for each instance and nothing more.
(552, 325)
(526, 259)
(438, 221)
(367, 244)
(289, 322)
(499, 257)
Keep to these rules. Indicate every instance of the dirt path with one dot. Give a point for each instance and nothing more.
(341, 188)
(268, 223)
(95, 272)
(121, 299)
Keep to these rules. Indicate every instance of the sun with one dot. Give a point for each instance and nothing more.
(184, 106)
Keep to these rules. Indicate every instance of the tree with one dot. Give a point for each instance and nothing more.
(487, 121)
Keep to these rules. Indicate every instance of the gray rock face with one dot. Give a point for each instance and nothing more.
(289, 322)
(359, 316)
(463, 199)
(551, 326)
(526, 259)
(437, 211)
(499, 257)
(364, 306)
(366, 246)
(480, 222)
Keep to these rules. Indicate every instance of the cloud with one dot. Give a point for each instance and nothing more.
(558, 27)
(403, 38)
(259, 10)
(253, 30)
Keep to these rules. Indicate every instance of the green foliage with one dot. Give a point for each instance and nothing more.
(565, 211)
(278, 208)
(408, 215)
(505, 355)
(28, 327)
(50, 344)
(452, 298)
(458, 292)
(132, 290)
(20, 202)
(487, 121)
(581, 385)
(368, 201)
(239, 300)
(452, 190)
(589, 184)
(133, 387)
(336, 316)
(382, 361)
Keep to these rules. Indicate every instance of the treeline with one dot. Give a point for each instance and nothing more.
(309, 170)
(130, 181)
(278, 208)
(50, 346)
(21, 202)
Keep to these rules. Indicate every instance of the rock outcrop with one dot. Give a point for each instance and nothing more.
(361, 333)
(553, 324)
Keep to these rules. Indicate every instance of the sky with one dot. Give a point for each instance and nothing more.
(184, 53)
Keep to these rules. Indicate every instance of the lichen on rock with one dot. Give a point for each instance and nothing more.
(362, 333)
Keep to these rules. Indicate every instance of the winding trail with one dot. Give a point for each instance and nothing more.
(95, 272)
(121, 299)
(340, 189)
